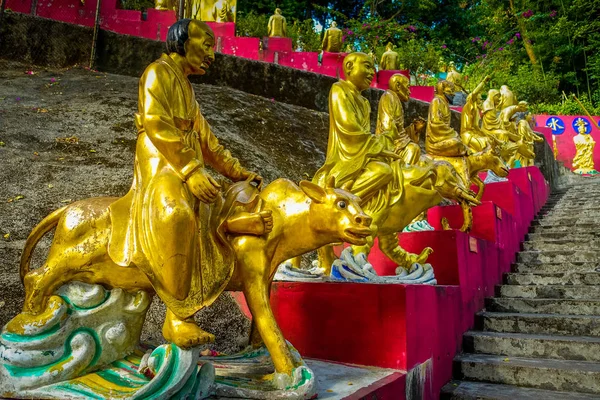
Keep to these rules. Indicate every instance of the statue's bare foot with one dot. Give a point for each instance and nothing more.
(184, 333)
(245, 223)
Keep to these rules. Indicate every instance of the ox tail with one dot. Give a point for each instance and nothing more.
(36, 234)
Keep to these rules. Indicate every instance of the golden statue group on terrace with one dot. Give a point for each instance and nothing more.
(180, 234)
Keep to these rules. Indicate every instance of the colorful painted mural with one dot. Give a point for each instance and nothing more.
(574, 140)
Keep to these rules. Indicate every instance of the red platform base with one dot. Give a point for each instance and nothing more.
(383, 77)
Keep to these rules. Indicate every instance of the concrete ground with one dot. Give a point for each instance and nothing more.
(69, 134)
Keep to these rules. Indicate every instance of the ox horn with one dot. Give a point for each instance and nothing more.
(347, 186)
(330, 182)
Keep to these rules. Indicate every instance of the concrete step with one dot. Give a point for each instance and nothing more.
(560, 245)
(576, 348)
(575, 237)
(558, 214)
(581, 228)
(553, 268)
(559, 256)
(576, 292)
(464, 390)
(544, 324)
(565, 278)
(559, 375)
(562, 220)
(543, 306)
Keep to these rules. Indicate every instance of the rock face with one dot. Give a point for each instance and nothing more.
(540, 337)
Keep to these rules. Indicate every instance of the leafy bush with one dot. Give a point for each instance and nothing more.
(138, 5)
(567, 106)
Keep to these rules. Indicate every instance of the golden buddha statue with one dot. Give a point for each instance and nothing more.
(491, 123)
(165, 5)
(455, 77)
(508, 116)
(390, 121)
(528, 138)
(332, 40)
(507, 97)
(441, 139)
(583, 162)
(470, 121)
(277, 25)
(222, 11)
(390, 59)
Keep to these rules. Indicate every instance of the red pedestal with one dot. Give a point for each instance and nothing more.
(224, 29)
(245, 47)
(162, 20)
(21, 6)
(423, 93)
(540, 187)
(307, 61)
(490, 222)
(383, 77)
(509, 197)
(278, 44)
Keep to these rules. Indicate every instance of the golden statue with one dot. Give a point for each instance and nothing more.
(211, 10)
(583, 162)
(491, 123)
(390, 121)
(332, 40)
(455, 77)
(390, 59)
(223, 12)
(507, 98)
(470, 121)
(441, 139)
(277, 25)
(529, 138)
(174, 234)
(166, 5)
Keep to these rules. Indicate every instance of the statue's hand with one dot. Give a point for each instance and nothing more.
(203, 186)
(419, 124)
(252, 177)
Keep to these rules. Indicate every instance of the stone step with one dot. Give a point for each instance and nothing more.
(464, 390)
(543, 306)
(575, 292)
(565, 278)
(560, 245)
(559, 256)
(575, 237)
(576, 348)
(562, 220)
(544, 324)
(582, 228)
(560, 375)
(554, 268)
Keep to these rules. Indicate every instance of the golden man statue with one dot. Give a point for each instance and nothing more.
(390, 60)
(455, 77)
(441, 139)
(165, 5)
(491, 123)
(529, 137)
(277, 25)
(583, 162)
(174, 234)
(332, 40)
(507, 97)
(222, 11)
(390, 121)
(470, 121)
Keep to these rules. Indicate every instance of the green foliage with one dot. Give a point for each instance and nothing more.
(567, 106)
(303, 35)
(252, 24)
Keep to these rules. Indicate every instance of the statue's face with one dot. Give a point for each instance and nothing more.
(362, 72)
(199, 51)
(402, 89)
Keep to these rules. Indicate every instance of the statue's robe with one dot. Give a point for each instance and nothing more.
(353, 152)
(174, 140)
(470, 131)
(277, 26)
(389, 60)
(457, 79)
(441, 139)
(332, 40)
(390, 124)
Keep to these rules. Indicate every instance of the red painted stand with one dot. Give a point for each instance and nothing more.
(307, 61)
(508, 196)
(224, 29)
(423, 93)
(383, 77)
(278, 44)
(246, 47)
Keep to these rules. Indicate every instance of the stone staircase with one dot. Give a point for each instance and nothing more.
(539, 338)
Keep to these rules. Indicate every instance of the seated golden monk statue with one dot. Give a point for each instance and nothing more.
(441, 139)
(470, 121)
(455, 77)
(332, 40)
(390, 59)
(277, 25)
(390, 121)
